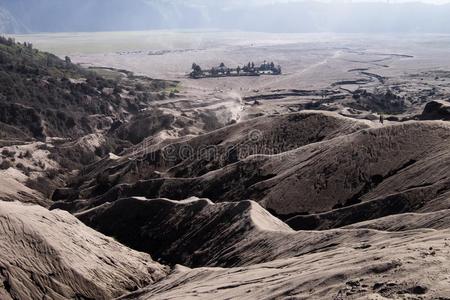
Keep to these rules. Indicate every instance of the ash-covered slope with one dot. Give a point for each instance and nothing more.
(268, 260)
(194, 232)
(13, 188)
(218, 149)
(392, 271)
(199, 155)
(52, 255)
(197, 232)
(418, 199)
(350, 169)
(368, 174)
(267, 135)
(407, 221)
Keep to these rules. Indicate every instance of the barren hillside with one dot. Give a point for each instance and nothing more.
(358, 176)
(52, 255)
(328, 181)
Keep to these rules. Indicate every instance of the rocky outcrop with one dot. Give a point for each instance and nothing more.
(436, 110)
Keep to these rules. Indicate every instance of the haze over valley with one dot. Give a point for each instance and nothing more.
(28, 16)
(226, 150)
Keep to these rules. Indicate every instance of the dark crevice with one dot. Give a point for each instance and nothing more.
(374, 209)
(7, 287)
(285, 217)
(320, 249)
(79, 296)
(420, 186)
(5, 282)
(371, 184)
(258, 178)
(396, 171)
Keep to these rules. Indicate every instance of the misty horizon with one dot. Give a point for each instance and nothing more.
(33, 16)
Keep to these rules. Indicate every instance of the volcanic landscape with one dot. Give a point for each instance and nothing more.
(130, 180)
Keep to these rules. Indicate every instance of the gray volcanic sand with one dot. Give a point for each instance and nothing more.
(52, 255)
(371, 201)
(410, 64)
(338, 264)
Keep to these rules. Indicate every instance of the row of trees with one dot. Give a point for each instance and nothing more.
(248, 69)
(7, 41)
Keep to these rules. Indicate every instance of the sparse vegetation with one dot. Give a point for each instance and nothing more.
(8, 153)
(38, 87)
(5, 165)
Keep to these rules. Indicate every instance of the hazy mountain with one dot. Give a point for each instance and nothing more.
(103, 15)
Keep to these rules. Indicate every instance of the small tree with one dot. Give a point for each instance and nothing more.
(196, 70)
